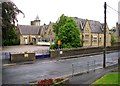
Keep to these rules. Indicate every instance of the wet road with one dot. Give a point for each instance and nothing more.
(41, 69)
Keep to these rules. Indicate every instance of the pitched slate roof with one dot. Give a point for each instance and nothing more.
(96, 26)
(29, 29)
(81, 22)
(45, 27)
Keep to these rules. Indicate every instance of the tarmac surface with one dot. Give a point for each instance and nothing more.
(24, 48)
(92, 76)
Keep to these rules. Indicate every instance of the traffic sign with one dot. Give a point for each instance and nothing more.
(59, 42)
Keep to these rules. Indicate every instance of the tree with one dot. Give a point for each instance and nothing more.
(9, 13)
(113, 30)
(113, 40)
(67, 32)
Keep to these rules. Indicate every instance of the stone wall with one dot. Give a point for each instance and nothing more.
(79, 51)
(20, 57)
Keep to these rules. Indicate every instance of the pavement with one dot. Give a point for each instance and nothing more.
(92, 76)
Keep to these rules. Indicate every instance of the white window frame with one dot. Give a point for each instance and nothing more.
(95, 38)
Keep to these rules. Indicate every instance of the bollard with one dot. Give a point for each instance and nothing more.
(112, 60)
(94, 65)
(81, 68)
(72, 69)
(88, 67)
(9, 55)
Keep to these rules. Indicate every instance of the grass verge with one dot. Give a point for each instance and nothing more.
(108, 79)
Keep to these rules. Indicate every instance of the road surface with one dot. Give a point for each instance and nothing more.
(41, 69)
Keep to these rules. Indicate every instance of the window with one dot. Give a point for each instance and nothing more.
(86, 38)
(39, 40)
(43, 39)
(94, 38)
(100, 39)
(25, 40)
(52, 40)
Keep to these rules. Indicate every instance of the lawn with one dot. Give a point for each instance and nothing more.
(111, 78)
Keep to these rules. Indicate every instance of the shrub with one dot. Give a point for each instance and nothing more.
(52, 46)
(51, 82)
(10, 42)
(113, 40)
(15, 42)
(5, 42)
(45, 82)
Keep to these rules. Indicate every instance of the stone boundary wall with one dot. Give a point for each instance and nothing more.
(80, 51)
(20, 57)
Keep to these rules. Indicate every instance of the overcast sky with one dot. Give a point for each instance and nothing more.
(50, 10)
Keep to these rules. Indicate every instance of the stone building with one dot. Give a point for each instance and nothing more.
(35, 34)
(118, 25)
(117, 33)
(92, 33)
(29, 34)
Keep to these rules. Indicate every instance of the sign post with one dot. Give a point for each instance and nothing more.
(59, 43)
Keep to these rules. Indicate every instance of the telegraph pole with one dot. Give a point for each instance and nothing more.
(104, 50)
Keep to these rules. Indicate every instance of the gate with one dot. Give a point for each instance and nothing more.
(6, 55)
(40, 54)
